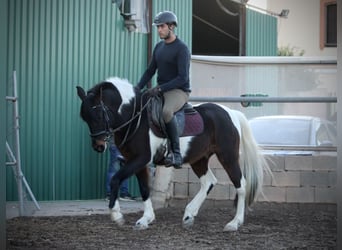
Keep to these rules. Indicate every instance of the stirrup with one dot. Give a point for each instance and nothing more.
(170, 161)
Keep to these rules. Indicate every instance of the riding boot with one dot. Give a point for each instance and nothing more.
(174, 158)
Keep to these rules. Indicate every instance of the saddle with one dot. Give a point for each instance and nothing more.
(189, 121)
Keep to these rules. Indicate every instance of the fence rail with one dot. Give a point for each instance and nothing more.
(265, 99)
(299, 148)
(275, 100)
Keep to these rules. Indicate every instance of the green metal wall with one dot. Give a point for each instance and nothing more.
(261, 34)
(3, 62)
(55, 45)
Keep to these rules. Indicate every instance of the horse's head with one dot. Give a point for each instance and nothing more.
(102, 108)
(99, 110)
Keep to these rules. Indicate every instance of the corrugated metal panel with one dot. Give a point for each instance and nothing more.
(261, 34)
(261, 40)
(54, 46)
(3, 120)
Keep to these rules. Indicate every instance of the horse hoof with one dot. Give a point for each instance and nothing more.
(188, 222)
(139, 226)
(231, 227)
(120, 222)
(117, 218)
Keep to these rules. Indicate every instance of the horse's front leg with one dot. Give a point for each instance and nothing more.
(114, 206)
(148, 216)
(116, 215)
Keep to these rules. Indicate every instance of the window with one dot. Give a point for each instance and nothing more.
(328, 24)
(216, 28)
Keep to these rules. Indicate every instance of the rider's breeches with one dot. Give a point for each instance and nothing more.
(174, 100)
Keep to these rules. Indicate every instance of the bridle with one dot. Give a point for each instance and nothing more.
(109, 132)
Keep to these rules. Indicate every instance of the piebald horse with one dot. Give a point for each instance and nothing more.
(113, 109)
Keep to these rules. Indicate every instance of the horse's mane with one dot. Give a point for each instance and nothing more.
(124, 87)
(117, 81)
(102, 85)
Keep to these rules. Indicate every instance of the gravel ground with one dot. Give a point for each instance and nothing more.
(267, 226)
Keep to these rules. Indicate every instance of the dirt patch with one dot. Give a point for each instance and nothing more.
(267, 226)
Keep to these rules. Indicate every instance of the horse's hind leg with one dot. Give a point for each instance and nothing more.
(207, 181)
(238, 220)
(233, 169)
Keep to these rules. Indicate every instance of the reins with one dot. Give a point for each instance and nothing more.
(109, 132)
(129, 122)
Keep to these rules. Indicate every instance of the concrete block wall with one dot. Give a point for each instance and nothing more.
(296, 178)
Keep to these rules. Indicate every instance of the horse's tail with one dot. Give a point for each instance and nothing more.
(252, 162)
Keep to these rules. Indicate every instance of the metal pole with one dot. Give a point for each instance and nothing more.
(19, 173)
(13, 163)
(30, 192)
(11, 98)
(10, 155)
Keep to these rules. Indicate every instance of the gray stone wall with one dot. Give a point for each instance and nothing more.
(296, 178)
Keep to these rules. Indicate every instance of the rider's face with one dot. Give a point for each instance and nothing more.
(163, 30)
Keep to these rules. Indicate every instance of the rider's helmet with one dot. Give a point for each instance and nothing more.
(166, 17)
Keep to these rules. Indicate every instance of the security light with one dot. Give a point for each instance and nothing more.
(284, 13)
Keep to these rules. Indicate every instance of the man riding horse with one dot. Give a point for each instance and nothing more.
(171, 58)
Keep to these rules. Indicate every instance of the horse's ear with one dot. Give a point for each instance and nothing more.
(81, 93)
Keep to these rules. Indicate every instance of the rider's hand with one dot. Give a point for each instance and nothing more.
(137, 89)
(154, 91)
